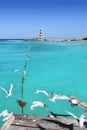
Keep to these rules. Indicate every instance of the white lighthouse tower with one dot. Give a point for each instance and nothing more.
(40, 34)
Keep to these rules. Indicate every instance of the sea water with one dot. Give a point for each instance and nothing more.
(59, 67)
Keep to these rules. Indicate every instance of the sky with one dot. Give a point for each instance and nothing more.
(58, 18)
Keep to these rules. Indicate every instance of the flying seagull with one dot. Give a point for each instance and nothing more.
(80, 120)
(5, 115)
(36, 104)
(8, 93)
(72, 99)
(42, 91)
(56, 115)
(58, 96)
(16, 70)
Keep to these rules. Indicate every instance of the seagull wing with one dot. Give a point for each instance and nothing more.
(53, 99)
(82, 119)
(59, 97)
(45, 93)
(11, 87)
(70, 113)
(33, 105)
(36, 104)
(63, 97)
(3, 113)
(42, 91)
(83, 115)
(52, 94)
(4, 90)
(8, 116)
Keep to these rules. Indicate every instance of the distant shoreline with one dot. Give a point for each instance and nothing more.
(45, 40)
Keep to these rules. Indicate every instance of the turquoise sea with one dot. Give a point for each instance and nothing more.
(59, 67)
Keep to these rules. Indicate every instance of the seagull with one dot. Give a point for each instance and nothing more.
(58, 96)
(76, 102)
(56, 115)
(42, 91)
(6, 115)
(10, 91)
(16, 70)
(36, 104)
(80, 120)
(72, 99)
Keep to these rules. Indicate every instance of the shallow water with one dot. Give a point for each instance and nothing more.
(59, 67)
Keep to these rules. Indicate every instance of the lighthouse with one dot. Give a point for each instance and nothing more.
(40, 34)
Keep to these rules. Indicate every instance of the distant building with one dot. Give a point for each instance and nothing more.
(41, 34)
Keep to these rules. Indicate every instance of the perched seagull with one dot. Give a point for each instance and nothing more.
(80, 120)
(42, 91)
(10, 91)
(36, 104)
(6, 115)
